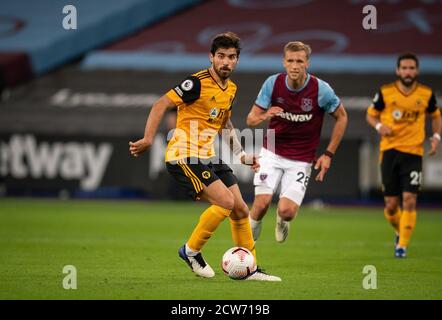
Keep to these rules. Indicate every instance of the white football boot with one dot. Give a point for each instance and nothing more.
(260, 275)
(196, 263)
(281, 229)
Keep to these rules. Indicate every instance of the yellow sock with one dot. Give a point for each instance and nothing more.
(209, 221)
(242, 234)
(394, 218)
(408, 221)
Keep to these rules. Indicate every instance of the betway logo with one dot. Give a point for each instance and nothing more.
(295, 117)
(23, 158)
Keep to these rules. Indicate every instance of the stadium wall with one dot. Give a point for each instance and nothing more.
(67, 133)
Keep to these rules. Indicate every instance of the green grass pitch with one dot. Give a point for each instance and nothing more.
(128, 250)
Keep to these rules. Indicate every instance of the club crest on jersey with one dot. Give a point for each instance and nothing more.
(263, 176)
(306, 104)
(213, 112)
(187, 85)
(206, 175)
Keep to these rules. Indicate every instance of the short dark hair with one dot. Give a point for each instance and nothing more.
(407, 55)
(226, 40)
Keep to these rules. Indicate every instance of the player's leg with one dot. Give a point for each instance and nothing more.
(294, 184)
(411, 176)
(391, 189)
(407, 222)
(265, 181)
(239, 220)
(240, 223)
(261, 204)
(393, 212)
(242, 233)
(286, 212)
(202, 183)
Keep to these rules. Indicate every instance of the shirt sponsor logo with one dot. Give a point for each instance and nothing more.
(296, 117)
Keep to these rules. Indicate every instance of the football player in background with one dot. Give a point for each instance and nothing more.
(294, 102)
(398, 115)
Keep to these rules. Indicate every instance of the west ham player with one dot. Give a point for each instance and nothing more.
(295, 103)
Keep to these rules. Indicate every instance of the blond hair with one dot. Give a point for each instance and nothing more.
(298, 46)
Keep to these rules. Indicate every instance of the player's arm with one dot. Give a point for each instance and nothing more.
(375, 122)
(231, 138)
(436, 125)
(153, 121)
(373, 115)
(262, 109)
(258, 115)
(328, 100)
(324, 161)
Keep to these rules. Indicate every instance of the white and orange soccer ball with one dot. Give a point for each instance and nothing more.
(238, 263)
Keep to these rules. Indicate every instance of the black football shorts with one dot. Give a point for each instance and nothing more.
(400, 172)
(193, 174)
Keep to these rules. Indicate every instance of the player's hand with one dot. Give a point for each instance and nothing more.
(273, 111)
(323, 163)
(434, 146)
(385, 130)
(138, 147)
(251, 160)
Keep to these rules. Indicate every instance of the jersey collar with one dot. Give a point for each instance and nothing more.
(300, 89)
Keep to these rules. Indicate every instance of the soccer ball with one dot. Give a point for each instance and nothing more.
(238, 263)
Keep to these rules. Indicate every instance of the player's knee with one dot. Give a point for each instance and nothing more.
(226, 200)
(259, 209)
(409, 202)
(287, 213)
(240, 210)
(391, 205)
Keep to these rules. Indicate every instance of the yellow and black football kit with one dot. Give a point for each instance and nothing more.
(203, 107)
(402, 151)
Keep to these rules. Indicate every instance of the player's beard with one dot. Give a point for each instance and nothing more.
(408, 81)
(223, 72)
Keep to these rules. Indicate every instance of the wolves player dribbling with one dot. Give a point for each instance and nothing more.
(204, 103)
(295, 103)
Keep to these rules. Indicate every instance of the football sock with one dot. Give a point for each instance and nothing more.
(394, 219)
(208, 222)
(242, 234)
(408, 221)
(256, 226)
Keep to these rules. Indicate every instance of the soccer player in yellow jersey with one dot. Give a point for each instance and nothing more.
(398, 115)
(204, 102)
